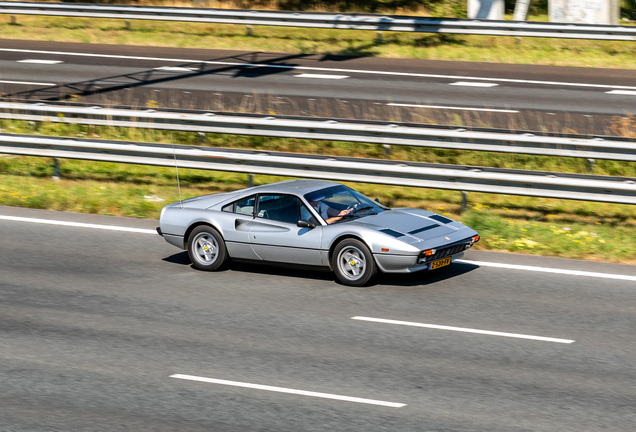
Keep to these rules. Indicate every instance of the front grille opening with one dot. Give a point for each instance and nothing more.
(444, 252)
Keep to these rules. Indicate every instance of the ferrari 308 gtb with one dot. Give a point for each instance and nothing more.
(317, 223)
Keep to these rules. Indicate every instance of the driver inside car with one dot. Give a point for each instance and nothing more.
(329, 214)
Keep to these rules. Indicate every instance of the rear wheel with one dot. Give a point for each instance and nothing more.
(353, 263)
(206, 248)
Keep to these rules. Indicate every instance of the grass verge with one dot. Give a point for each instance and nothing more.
(540, 51)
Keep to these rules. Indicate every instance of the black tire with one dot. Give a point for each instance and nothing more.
(353, 263)
(214, 256)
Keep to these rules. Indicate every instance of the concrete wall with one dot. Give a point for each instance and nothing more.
(584, 11)
(486, 9)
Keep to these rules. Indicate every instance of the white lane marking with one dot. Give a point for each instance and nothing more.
(409, 74)
(549, 270)
(78, 224)
(37, 61)
(26, 83)
(176, 69)
(464, 330)
(288, 390)
(622, 92)
(452, 108)
(473, 84)
(321, 76)
(479, 263)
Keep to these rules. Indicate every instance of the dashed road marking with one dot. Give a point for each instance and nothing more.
(473, 84)
(176, 69)
(622, 92)
(26, 83)
(37, 61)
(321, 76)
(464, 330)
(288, 390)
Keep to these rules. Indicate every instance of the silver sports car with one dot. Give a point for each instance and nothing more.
(313, 222)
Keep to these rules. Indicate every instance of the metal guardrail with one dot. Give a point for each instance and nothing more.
(348, 21)
(451, 177)
(324, 129)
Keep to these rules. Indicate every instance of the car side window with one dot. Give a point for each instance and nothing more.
(245, 206)
(282, 208)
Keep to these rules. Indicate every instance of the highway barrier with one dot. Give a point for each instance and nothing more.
(450, 177)
(375, 132)
(349, 21)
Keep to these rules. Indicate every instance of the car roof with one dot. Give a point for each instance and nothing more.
(296, 187)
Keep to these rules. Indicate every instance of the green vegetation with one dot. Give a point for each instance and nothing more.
(508, 223)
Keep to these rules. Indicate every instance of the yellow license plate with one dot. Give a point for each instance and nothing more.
(439, 263)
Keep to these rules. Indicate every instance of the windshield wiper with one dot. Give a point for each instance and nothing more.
(361, 209)
(353, 213)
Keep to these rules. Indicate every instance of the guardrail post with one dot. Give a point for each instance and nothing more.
(201, 137)
(13, 20)
(590, 165)
(379, 38)
(250, 180)
(387, 150)
(127, 24)
(464, 201)
(56, 169)
(248, 30)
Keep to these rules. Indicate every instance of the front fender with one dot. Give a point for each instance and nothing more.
(375, 240)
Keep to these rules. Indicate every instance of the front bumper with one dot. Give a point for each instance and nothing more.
(422, 261)
(404, 263)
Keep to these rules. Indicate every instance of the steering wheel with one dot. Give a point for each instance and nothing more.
(353, 206)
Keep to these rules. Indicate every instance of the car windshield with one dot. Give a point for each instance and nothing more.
(339, 198)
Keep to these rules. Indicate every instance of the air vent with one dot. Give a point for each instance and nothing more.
(392, 233)
(426, 228)
(441, 219)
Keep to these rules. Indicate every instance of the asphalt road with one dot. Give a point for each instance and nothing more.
(94, 322)
(540, 97)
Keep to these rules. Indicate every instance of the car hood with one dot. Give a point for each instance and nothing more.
(410, 225)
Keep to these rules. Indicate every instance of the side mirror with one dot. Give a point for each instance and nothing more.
(305, 224)
(377, 200)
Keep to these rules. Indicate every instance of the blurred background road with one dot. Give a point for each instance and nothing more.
(582, 100)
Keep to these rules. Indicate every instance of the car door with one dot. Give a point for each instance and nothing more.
(238, 226)
(276, 237)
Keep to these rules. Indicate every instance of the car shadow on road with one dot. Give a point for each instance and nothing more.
(273, 269)
(236, 66)
(422, 278)
(178, 258)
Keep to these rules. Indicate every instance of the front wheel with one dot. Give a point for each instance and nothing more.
(353, 263)
(206, 248)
